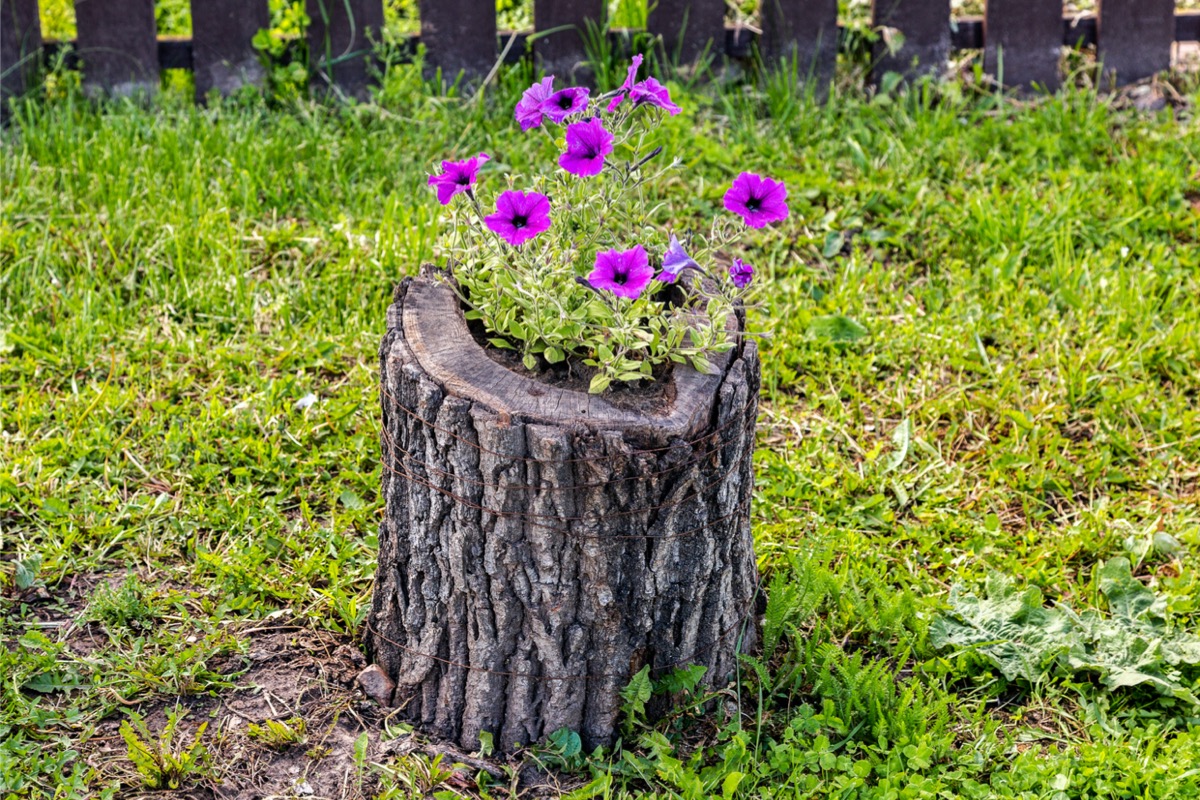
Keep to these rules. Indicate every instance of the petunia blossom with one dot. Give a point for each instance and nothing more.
(758, 200)
(565, 103)
(652, 93)
(675, 261)
(519, 216)
(529, 107)
(630, 75)
(741, 273)
(587, 145)
(456, 177)
(625, 273)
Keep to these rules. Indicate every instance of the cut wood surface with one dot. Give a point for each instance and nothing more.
(531, 561)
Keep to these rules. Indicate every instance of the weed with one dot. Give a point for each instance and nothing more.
(129, 606)
(279, 734)
(162, 762)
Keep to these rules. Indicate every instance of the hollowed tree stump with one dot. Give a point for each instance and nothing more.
(540, 546)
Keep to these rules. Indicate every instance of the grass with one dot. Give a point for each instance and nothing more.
(1013, 388)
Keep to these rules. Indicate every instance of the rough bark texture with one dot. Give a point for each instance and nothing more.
(529, 565)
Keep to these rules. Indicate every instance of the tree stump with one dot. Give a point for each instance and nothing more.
(540, 545)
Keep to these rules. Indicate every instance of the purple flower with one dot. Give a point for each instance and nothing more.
(759, 200)
(623, 272)
(652, 93)
(675, 261)
(741, 273)
(456, 177)
(519, 216)
(627, 85)
(529, 108)
(587, 145)
(566, 102)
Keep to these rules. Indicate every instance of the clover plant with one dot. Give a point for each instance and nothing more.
(569, 265)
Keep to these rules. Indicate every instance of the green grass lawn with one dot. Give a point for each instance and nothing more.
(981, 366)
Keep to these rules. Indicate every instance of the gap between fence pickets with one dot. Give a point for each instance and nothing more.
(966, 33)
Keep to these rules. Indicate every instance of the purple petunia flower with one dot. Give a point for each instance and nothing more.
(625, 273)
(456, 177)
(587, 145)
(519, 216)
(566, 102)
(758, 200)
(630, 75)
(675, 261)
(529, 108)
(652, 93)
(741, 273)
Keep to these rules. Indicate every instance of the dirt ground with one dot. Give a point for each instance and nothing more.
(341, 744)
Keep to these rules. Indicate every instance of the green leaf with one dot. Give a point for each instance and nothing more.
(599, 383)
(900, 441)
(637, 692)
(1127, 597)
(553, 355)
(681, 679)
(27, 570)
(566, 742)
(360, 750)
(730, 784)
(503, 344)
(1131, 647)
(834, 242)
(351, 500)
(837, 328)
(1010, 628)
(487, 743)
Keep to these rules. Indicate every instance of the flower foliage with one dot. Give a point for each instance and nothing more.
(573, 266)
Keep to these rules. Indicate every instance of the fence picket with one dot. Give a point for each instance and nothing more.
(459, 35)
(118, 48)
(222, 54)
(560, 51)
(341, 37)
(1023, 42)
(117, 41)
(688, 27)
(925, 26)
(1134, 37)
(20, 47)
(804, 30)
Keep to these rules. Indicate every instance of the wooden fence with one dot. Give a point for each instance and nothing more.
(1022, 40)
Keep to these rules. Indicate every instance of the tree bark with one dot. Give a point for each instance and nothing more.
(540, 546)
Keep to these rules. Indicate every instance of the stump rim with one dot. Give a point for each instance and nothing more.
(436, 334)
